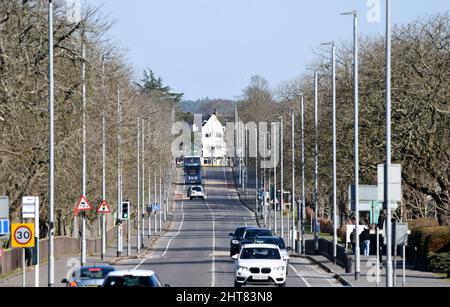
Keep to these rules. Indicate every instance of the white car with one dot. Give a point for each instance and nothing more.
(260, 264)
(196, 192)
(133, 279)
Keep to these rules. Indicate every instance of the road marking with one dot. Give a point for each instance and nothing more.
(213, 279)
(328, 278)
(301, 277)
(179, 230)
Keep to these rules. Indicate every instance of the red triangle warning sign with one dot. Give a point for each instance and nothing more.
(83, 205)
(104, 208)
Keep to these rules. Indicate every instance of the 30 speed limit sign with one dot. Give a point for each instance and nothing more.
(22, 235)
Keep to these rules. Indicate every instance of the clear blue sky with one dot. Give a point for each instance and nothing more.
(212, 47)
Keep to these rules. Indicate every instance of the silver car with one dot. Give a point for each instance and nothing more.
(88, 276)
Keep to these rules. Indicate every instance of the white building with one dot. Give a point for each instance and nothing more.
(213, 141)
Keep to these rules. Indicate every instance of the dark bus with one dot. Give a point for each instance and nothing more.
(192, 170)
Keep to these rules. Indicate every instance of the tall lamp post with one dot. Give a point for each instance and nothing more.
(51, 175)
(316, 162)
(333, 56)
(389, 277)
(356, 98)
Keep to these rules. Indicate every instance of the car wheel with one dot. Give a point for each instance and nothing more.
(282, 285)
(237, 285)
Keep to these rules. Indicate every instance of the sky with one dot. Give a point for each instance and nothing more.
(211, 48)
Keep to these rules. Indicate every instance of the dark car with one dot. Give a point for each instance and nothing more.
(86, 276)
(236, 240)
(251, 234)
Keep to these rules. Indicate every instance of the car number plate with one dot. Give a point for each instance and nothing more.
(260, 277)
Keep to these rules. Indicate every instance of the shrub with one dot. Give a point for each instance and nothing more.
(421, 223)
(439, 263)
(429, 240)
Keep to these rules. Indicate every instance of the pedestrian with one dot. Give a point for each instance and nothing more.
(353, 241)
(365, 238)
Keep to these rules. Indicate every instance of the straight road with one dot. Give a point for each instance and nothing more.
(195, 250)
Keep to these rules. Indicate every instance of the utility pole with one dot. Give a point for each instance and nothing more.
(333, 60)
(160, 197)
(316, 162)
(138, 202)
(143, 187)
(282, 177)
(387, 180)
(257, 171)
(356, 99)
(51, 174)
(293, 203)
(103, 185)
(119, 179)
(275, 175)
(83, 214)
(303, 210)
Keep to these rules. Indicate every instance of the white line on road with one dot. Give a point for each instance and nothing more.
(170, 241)
(179, 230)
(213, 278)
(301, 277)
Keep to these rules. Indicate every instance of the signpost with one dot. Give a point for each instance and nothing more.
(30, 210)
(22, 237)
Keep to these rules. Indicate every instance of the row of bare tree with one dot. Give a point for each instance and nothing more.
(421, 117)
(109, 80)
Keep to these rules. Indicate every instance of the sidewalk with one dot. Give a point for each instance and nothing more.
(367, 279)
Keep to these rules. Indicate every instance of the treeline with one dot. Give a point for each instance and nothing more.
(420, 119)
(109, 79)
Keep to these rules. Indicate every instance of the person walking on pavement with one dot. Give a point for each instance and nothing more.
(365, 238)
(353, 241)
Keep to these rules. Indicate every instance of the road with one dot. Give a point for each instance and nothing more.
(195, 250)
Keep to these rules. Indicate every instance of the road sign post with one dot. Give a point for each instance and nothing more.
(23, 237)
(30, 210)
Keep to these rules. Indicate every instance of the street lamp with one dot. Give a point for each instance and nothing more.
(51, 174)
(333, 55)
(356, 98)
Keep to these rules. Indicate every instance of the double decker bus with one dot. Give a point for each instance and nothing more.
(192, 170)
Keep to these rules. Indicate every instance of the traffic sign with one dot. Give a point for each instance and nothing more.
(29, 205)
(4, 207)
(22, 235)
(104, 208)
(4, 227)
(83, 205)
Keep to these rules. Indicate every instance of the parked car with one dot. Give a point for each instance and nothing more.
(276, 241)
(196, 192)
(133, 279)
(260, 264)
(235, 242)
(88, 276)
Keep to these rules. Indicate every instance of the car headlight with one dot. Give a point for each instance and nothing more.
(242, 268)
(236, 242)
(280, 268)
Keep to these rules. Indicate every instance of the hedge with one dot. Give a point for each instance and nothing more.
(439, 263)
(428, 240)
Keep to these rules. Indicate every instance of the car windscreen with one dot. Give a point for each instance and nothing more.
(132, 282)
(253, 233)
(95, 273)
(274, 241)
(260, 253)
(197, 189)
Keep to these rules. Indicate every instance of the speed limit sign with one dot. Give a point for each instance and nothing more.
(22, 235)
